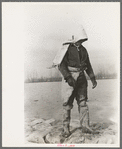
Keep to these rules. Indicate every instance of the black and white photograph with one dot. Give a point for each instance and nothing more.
(70, 70)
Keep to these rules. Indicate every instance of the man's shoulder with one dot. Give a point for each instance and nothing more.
(71, 47)
(83, 48)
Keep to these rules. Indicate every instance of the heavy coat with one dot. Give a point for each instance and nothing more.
(78, 59)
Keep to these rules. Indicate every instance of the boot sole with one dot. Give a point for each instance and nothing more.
(66, 135)
(86, 130)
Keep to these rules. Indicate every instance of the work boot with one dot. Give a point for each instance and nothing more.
(66, 132)
(66, 122)
(84, 120)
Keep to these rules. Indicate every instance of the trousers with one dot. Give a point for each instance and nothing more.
(79, 92)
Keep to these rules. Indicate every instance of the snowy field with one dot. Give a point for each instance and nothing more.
(43, 100)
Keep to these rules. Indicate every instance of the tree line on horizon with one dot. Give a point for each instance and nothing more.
(33, 78)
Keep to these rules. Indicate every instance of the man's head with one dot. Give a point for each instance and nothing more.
(77, 36)
(79, 42)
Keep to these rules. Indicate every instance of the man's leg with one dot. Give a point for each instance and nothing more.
(66, 123)
(68, 98)
(84, 111)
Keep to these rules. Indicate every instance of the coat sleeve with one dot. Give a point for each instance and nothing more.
(89, 69)
(63, 68)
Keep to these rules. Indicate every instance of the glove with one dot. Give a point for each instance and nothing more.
(94, 83)
(71, 81)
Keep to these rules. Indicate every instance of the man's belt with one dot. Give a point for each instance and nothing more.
(74, 69)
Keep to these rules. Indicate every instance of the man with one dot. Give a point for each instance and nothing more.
(74, 62)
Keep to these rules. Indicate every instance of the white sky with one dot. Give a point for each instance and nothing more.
(40, 29)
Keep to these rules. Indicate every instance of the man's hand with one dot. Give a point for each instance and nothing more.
(94, 84)
(71, 81)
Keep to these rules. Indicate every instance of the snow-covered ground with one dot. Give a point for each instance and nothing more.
(43, 101)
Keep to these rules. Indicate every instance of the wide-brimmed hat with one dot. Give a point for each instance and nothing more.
(76, 34)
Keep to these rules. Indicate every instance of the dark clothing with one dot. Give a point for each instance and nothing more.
(78, 59)
(72, 67)
(79, 93)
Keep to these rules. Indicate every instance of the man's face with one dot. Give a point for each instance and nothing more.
(78, 43)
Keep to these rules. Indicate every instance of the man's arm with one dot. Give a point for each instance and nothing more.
(90, 72)
(63, 68)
